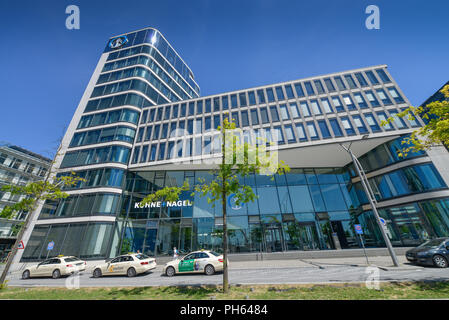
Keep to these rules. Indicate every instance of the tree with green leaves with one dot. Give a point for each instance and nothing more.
(239, 159)
(434, 132)
(34, 193)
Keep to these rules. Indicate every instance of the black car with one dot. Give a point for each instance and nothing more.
(433, 252)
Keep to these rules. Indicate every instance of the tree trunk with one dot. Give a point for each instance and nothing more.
(225, 245)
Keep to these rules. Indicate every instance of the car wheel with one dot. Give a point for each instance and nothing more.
(170, 272)
(56, 274)
(131, 272)
(209, 270)
(440, 261)
(26, 274)
(97, 273)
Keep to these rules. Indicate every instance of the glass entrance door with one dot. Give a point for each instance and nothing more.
(274, 241)
(185, 240)
(309, 236)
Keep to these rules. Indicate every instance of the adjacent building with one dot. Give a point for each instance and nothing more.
(141, 125)
(17, 167)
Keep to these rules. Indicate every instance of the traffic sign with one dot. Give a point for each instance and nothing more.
(358, 229)
(382, 220)
(21, 245)
(51, 245)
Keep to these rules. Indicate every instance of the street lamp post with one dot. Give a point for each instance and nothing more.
(372, 199)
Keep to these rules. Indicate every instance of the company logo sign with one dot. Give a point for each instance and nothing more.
(118, 42)
(159, 204)
(232, 202)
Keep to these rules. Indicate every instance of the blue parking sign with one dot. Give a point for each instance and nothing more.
(50, 246)
(358, 229)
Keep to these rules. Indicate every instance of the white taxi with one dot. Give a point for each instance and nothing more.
(129, 264)
(55, 267)
(203, 261)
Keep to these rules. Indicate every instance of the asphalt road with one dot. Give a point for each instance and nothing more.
(316, 273)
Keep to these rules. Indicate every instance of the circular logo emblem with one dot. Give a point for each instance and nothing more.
(118, 42)
(232, 202)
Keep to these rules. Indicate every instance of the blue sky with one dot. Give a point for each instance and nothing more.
(229, 45)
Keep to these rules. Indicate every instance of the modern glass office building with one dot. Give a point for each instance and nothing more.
(141, 125)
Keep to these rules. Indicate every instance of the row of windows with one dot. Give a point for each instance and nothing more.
(384, 155)
(415, 179)
(129, 99)
(138, 85)
(122, 115)
(143, 59)
(294, 110)
(96, 155)
(18, 164)
(366, 123)
(155, 39)
(82, 205)
(144, 73)
(117, 133)
(103, 177)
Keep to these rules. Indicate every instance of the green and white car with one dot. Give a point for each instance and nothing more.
(203, 261)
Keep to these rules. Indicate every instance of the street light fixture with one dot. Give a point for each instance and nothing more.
(372, 200)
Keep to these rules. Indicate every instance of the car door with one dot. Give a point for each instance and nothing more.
(50, 266)
(113, 265)
(187, 263)
(40, 268)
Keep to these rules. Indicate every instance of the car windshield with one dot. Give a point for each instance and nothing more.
(431, 244)
(142, 256)
(214, 253)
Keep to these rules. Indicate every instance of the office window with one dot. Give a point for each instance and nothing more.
(329, 85)
(347, 126)
(337, 104)
(171, 150)
(395, 94)
(167, 112)
(234, 101)
(359, 124)
(301, 133)
(175, 111)
(372, 122)
(383, 97)
(153, 152)
(277, 135)
(304, 108)
(372, 99)
(181, 129)
(190, 126)
(254, 117)
(348, 101)
(242, 98)
(294, 110)
(191, 108)
(324, 129)
(336, 128)
(143, 158)
(199, 107)
(289, 91)
(159, 114)
(398, 121)
(360, 101)
(309, 88)
(245, 120)
(225, 102)
(315, 107)
(217, 104)
(135, 155)
(270, 95)
(284, 112)
(264, 115)
(274, 114)
(162, 151)
(208, 104)
(280, 93)
(164, 132)
(198, 147)
(148, 133)
(361, 79)
(312, 130)
(411, 119)
(319, 86)
(199, 125)
(183, 110)
(340, 84)
(299, 90)
(383, 117)
(289, 133)
(144, 116)
(372, 78)
(383, 75)
(217, 121)
(252, 98)
(207, 124)
(326, 105)
(260, 96)
(350, 81)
